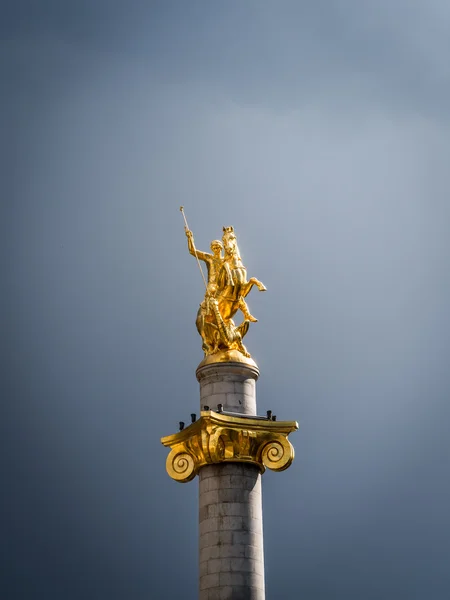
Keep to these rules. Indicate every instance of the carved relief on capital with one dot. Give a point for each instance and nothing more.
(219, 437)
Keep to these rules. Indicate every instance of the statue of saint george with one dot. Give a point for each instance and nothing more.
(226, 290)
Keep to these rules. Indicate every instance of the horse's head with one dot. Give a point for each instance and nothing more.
(229, 242)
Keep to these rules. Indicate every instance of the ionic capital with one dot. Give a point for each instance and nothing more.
(221, 437)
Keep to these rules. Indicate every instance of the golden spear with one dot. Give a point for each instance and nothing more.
(195, 251)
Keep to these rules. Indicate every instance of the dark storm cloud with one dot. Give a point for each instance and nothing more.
(320, 131)
(280, 55)
(290, 54)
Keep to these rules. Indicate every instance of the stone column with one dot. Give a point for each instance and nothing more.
(230, 515)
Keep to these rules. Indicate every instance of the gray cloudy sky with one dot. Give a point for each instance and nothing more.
(320, 130)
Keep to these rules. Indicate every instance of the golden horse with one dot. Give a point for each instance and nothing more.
(215, 318)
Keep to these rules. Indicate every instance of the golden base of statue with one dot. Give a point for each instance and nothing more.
(227, 356)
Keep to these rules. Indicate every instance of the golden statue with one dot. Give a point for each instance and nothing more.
(226, 289)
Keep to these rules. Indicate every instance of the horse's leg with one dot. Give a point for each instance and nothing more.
(245, 289)
(243, 306)
(259, 284)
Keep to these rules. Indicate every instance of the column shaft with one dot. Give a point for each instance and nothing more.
(230, 506)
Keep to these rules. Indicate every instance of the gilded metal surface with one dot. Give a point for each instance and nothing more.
(228, 356)
(226, 290)
(220, 437)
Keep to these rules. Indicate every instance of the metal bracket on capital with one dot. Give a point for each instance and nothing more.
(220, 437)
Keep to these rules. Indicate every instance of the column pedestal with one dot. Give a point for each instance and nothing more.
(230, 503)
(229, 447)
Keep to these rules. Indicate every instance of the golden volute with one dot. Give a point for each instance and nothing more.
(218, 438)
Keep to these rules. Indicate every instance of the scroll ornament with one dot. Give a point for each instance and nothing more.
(219, 438)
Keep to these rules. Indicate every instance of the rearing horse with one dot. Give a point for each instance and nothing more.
(233, 286)
(215, 324)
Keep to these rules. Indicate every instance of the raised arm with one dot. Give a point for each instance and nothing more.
(193, 250)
